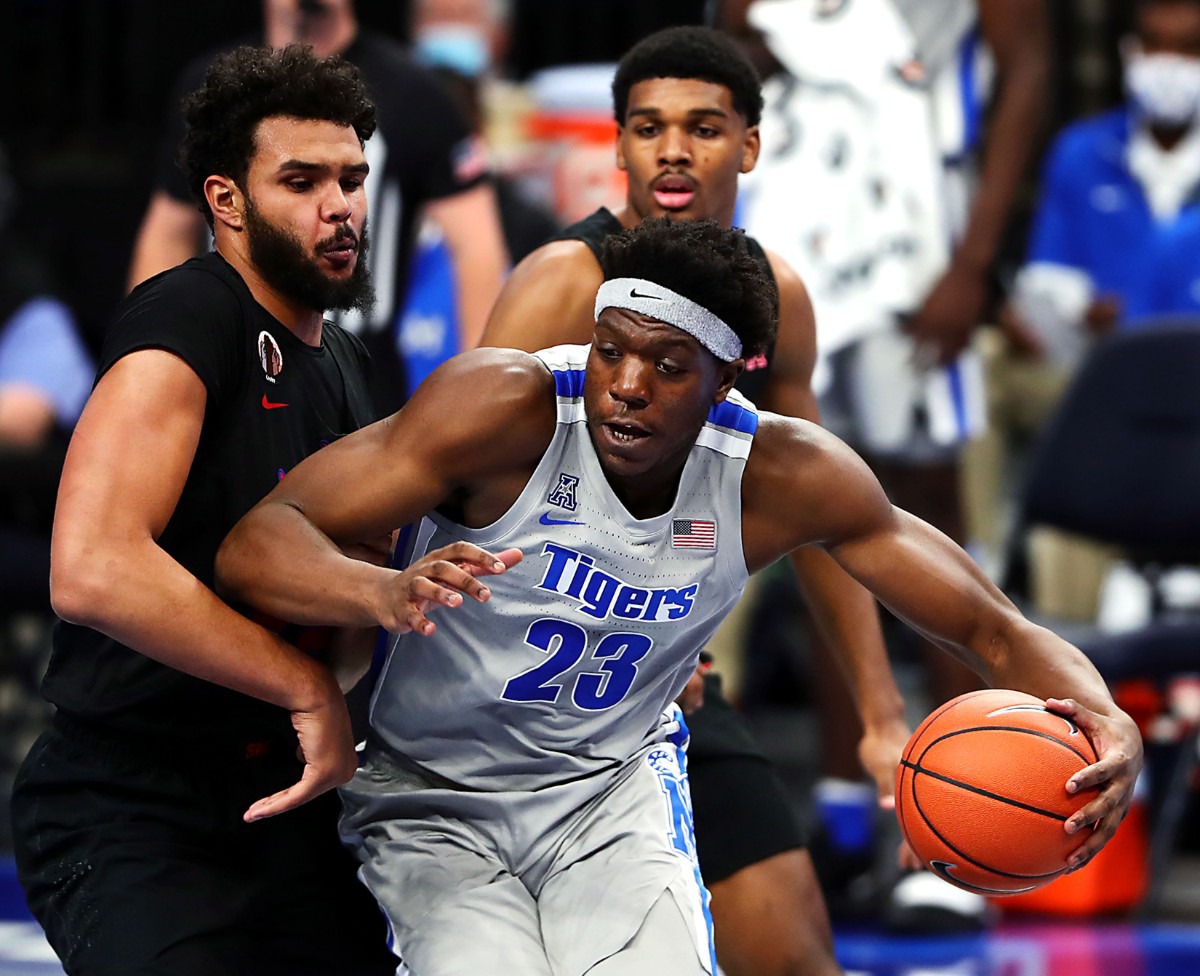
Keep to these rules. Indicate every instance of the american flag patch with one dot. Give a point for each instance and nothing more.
(693, 534)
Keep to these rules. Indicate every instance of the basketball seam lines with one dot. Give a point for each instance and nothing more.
(1009, 728)
(976, 862)
(917, 768)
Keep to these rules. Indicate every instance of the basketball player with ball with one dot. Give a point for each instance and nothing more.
(522, 805)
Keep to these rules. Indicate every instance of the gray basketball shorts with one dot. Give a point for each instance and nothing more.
(561, 881)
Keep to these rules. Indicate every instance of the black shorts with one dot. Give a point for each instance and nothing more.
(137, 862)
(742, 811)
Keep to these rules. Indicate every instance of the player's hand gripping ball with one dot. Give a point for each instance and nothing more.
(981, 792)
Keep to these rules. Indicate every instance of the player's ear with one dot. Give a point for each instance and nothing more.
(224, 200)
(729, 373)
(750, 149)
(621, 148)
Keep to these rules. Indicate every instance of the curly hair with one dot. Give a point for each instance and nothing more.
(690, 52)
(701, 260)
(252, 83)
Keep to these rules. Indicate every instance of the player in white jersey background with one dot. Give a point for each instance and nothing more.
(562, 845)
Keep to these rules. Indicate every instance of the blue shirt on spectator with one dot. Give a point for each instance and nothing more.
(1093, 215)
(40, 347)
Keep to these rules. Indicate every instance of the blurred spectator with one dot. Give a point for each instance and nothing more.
(423, 160)
(1117, 224)
(45, 376)
(1113, 245)
(462, 41)
(895, 138)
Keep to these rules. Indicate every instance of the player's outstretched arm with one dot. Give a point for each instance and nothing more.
(482, 418)
(844, 612)
(932, 584)
(549, 299)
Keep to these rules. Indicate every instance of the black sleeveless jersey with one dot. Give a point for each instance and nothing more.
(272, 401)
(592, 230)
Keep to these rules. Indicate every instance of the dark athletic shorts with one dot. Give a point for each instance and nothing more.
(136, 862)
(742, 811)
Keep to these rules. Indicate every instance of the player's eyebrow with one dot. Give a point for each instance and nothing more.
(651, 112)
(304, 166)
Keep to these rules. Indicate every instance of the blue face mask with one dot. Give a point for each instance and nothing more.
(455, 46)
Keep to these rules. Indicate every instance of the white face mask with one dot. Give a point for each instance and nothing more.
(1165, 88)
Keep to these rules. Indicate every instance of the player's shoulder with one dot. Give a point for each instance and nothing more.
(560, 256)
(553, 273)
(343, 343)
(787, 278)
(489, 399)
(802, 479)
(783, 434)
(796, 316)
(492, 376)
(788, 449)
(548, 298)
(201, 286)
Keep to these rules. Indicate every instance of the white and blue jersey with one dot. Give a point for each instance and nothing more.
(565, 672)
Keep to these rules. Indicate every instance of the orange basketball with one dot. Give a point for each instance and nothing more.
(981, 791)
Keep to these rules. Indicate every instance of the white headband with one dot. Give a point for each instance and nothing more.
(649, 298)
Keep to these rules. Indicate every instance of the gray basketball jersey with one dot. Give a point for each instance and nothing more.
(565, 671)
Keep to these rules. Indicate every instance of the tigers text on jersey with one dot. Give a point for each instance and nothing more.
(566, 670)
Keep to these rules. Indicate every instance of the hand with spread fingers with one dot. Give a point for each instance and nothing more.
(438, 579)
(1118, 744)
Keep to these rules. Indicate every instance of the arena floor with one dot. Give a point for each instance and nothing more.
(1170, 947)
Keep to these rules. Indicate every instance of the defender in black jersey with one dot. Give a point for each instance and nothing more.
(687, 105)
(423, 156)
(141, 838)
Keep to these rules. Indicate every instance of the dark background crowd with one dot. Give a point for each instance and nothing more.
(86, 84)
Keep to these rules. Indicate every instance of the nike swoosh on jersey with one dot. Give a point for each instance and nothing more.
(547, 520)
(268, 405)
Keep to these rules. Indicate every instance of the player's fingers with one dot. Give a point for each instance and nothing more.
(473, 559)
(1113, 774)
(1089, 848)
(444, 584)
(1104, 813)
(1118, 750)
(416, 622)
(311, 785)
(1072, 709)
